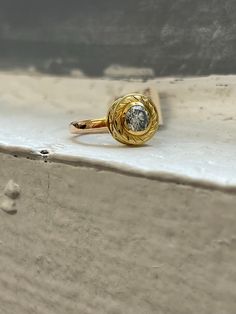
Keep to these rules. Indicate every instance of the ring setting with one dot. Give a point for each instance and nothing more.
(132, 120)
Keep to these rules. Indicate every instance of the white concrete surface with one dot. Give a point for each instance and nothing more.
(197, 144)
(106, 229)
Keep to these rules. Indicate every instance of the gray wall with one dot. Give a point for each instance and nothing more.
(173, 37)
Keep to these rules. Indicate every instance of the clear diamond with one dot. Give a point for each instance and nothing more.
(137, 118)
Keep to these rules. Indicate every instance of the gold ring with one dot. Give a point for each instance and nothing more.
(131, 120)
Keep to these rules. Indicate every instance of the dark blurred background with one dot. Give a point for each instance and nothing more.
(181, 37)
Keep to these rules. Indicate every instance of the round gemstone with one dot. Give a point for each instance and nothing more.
(137, 118)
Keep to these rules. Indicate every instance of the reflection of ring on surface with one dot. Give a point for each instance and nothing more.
(131, 119)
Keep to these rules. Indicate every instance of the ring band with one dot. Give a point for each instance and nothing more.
(89, 126)
(132, 120)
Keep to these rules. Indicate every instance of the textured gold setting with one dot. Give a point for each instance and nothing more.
(116, 119)
(115, 122)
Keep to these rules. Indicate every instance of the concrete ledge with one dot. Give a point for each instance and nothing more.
(86, 241)
(195, 146)
(90, 226)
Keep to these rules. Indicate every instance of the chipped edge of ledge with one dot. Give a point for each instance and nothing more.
(106, 166)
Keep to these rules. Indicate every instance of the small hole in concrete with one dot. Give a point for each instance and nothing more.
(44, 152)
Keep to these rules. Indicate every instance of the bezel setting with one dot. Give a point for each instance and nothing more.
(117, 123)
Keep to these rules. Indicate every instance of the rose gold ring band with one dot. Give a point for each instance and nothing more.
(89, 126)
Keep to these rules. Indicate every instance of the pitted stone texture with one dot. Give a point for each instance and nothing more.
(137, 118)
